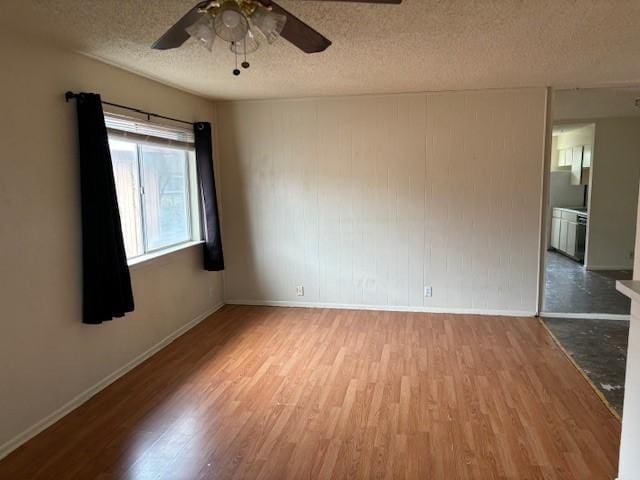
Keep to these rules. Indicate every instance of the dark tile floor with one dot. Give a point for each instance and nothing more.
(570, 288)
(599, 347)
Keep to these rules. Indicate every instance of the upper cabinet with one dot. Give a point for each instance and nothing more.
(578, 158)
(576, 164)
(573, 150)
(586, 156)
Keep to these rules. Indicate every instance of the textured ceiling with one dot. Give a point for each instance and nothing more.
(421, 45)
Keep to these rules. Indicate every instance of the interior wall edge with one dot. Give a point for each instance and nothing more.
(545, 180)
(23, 437)
(228, 101)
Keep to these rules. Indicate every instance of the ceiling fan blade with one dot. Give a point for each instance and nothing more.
(299, 33)
(177, 35)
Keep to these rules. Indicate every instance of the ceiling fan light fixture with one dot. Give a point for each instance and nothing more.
(248, 44)
(230, 23)
(203, 32)
(269, 23)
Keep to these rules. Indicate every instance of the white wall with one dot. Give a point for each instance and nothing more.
(562, 193)
(614, 193)
(47, 356)
(629, 465)
(574, 138)
(602, 102)
(365, 200)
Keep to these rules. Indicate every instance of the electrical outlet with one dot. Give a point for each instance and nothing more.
(428, 292)
(300, 291)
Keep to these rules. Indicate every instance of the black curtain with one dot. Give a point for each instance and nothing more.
(105, 275)
(213, 259)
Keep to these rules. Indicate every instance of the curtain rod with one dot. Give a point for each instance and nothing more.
(71, 95)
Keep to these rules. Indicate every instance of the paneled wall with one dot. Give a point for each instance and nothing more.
(364, 201)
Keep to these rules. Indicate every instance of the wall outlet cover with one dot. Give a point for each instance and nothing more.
(428, 292)
(300, 291)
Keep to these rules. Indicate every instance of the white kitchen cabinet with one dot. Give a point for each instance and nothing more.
(555, 232)
(563, 235)
(574, 156)
(569, 215)
(586, 156)
(576, 165)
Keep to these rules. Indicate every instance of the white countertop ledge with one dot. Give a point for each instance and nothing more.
(573, 210)
(630, 288)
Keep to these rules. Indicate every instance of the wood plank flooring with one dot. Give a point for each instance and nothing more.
(274, 393)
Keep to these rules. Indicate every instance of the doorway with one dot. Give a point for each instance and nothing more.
(574, 283)
(590, 222)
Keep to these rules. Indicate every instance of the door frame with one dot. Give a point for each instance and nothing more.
(544, 201)
(545, 213)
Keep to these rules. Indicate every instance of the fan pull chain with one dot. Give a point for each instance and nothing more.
(245, 64)
(236, 71)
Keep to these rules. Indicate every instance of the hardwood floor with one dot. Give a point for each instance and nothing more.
(273, 393)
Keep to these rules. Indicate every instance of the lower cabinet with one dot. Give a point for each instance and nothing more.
(564, 228)
(563, 235)
(555, 232)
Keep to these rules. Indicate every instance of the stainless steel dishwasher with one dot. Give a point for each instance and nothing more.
(581, 236)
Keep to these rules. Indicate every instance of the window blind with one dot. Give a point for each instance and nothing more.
(127, 128)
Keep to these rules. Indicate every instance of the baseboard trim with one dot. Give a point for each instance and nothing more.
(385, 308)
(588, 316)
(29, 433)
(596, 268)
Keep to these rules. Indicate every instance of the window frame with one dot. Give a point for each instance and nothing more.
(143, 210)
(193, 203)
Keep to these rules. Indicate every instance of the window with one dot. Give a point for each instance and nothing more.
(154, 171)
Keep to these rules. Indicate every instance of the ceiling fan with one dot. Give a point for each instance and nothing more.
(242, 22)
